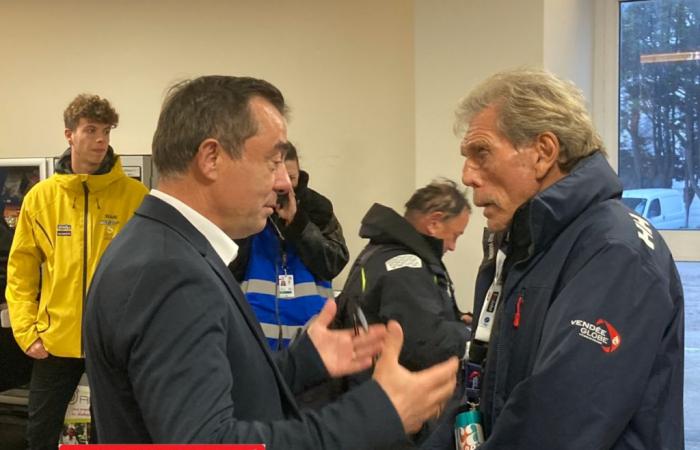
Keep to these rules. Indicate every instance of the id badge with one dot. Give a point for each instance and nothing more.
(285, 286)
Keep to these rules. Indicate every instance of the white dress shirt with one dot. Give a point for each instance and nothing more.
(220, 242)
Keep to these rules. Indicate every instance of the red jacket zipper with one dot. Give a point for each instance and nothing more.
(518, 306)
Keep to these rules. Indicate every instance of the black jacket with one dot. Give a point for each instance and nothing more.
(314, 233)
(405, 280)
(587, 346)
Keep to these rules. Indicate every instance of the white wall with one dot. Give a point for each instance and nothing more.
(568, 41)
(346, 69)
(372, 85)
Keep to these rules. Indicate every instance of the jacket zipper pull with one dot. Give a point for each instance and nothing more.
(516, 317)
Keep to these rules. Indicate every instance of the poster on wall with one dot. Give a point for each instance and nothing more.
(76, 425)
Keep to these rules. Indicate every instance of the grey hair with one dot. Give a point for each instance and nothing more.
(441, 195)
(530, 102)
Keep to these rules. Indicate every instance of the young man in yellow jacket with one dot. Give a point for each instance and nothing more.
(65, 224)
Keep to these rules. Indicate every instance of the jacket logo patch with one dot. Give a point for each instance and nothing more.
(110, 221)
(63, 229)
(401, 261)
(602, 333)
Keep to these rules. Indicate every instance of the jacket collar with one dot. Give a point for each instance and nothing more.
(382, 225)
(63, 165)
(541, 219)
(95, 182)
(158, 210)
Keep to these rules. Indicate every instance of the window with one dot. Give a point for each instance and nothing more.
(659, 107)
(654, 209)
(646, 101)
(636, 204)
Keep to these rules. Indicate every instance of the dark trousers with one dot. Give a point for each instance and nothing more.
(53, 382)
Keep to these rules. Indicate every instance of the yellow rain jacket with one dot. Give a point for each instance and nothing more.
(65, 224)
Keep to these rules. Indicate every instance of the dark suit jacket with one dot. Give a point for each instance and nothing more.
(174, 354)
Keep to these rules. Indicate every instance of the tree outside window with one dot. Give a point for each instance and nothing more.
(659, 105)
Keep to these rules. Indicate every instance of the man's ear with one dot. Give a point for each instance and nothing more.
(208, 158)
(68, 133)
(547, 148)
(434, 222)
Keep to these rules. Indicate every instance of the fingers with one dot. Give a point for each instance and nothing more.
(438, 383)
(440, 408)
(37, 353)
(37, 350)
(325, 317)
(370, 341)
(368, 345)
(440, 373)
(393, 342)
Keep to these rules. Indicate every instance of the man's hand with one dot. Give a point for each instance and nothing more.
(417, 396)
(467, 318)
(342, 352)
(288, 210)
(37, 350)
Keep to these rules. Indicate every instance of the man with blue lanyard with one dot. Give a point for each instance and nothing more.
(286, 269)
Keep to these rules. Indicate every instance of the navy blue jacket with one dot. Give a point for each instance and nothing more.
(587, 347)
(175, 355)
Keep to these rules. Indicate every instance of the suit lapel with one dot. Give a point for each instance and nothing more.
(156, 209)
(240, 300)
(238, 296)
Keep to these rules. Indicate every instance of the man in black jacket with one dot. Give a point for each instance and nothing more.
(400, 276)
(286, 270)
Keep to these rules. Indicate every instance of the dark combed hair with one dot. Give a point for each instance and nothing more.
(441, 195)
(214, 106)
(92, 107)
(290, 152)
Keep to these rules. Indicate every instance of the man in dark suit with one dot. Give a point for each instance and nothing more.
(174, 353)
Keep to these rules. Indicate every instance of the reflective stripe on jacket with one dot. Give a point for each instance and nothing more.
(279, 316)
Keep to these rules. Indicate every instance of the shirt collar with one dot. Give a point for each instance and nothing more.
(220, 242)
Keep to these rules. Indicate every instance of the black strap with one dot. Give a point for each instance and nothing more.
(348, 304)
